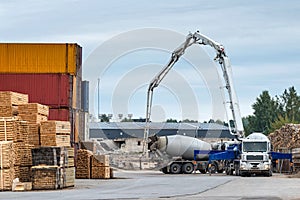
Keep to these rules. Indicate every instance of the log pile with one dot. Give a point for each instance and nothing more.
(55, 133)
(287, 137)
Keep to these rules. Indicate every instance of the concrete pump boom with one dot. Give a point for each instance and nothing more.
(221, 57)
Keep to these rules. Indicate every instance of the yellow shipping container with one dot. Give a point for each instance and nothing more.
(40, 58)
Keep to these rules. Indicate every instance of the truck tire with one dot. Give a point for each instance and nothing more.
(175, 168)
(165, 170)
(213, 168)
(220, 171)
(188, 168)
(202, 171)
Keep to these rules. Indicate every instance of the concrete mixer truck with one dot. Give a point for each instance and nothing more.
(244, 156)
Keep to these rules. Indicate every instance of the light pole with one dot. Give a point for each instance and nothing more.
(98, 97)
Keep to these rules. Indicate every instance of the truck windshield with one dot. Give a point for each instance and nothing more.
(255, 146)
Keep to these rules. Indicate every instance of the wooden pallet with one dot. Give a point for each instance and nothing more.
(33, 108)
(8, 98)
(45, 177)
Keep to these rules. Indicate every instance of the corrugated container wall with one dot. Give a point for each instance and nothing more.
(85, 96)
(40, 58)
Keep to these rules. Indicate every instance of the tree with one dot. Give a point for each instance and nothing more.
(126, 120)
(104, 118)
(266, 111)
(171, 120)
(290, 103)
(189, 121)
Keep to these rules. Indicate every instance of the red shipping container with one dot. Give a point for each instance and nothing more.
(54, 90)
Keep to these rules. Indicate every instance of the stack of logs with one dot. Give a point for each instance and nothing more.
(92, 166)
(287, 137)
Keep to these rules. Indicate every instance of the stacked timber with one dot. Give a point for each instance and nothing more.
(55, 133)
(45, 177)
(6, 165)
(34, 114)
(9, 102)
(287, 137)
(100, 167)
(83, 164)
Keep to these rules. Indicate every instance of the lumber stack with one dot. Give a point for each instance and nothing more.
(8, 98)
(287, 137)
(55, 133)
(100, 167)
(45, 177)
(83, 164)
(6, 165)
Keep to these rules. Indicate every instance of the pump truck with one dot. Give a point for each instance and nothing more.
(243, 156)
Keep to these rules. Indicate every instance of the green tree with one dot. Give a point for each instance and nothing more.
(290, 103)
(171, 120)
(266, 111)
(104, 118)
(126, 120)
(189, 121)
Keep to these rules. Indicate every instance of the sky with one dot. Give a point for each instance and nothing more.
(125, 43)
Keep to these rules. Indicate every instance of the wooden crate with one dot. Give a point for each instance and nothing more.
(33, 118)
(6, 179)
(6, 154)
(8, 98)
(100, 161)
(100, 173)
(45, 177)
(33, 108)
(56, 127)
(8, 111)
(83, 164)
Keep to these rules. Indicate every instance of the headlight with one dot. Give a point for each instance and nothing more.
(267, 166)
(243, 166)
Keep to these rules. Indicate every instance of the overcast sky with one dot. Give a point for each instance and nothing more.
(261, 39)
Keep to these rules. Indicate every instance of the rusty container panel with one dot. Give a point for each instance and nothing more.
(40, 58)
(54, 90)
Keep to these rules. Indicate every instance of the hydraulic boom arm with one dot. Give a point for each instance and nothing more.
(221, 57)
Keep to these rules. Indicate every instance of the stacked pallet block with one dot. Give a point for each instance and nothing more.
(92, 166)
(34, 114)
(56, 164)
(55, 133)
(6, 165)
(10, 101)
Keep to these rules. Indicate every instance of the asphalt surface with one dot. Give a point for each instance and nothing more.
(155, 185)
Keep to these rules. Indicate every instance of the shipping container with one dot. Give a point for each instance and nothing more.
(85, 96)
(54, 90)
(40, 58)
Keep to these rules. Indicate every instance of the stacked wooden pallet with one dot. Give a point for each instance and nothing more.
(6, 165)
(288, 136)
(55, 133)
(9, 102)
(45, 177)
(100, 167)
(83, 164)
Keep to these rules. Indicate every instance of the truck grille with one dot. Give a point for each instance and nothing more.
(253, 157)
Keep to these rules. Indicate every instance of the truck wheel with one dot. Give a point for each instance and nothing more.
(202, 171)
(220, 171)
(213, 168)
(187, 168)
(175, 168)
